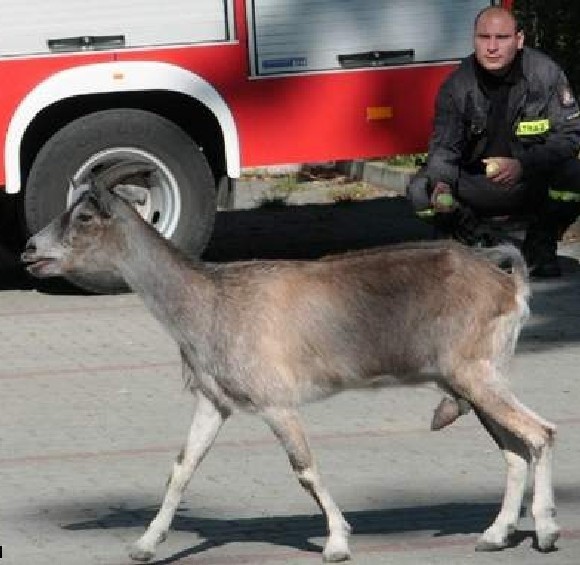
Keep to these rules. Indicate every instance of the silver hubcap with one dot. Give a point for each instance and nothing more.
(163, 205)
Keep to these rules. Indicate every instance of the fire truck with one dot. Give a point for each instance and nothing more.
(200, 90)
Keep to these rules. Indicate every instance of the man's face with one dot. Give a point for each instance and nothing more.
(496, 41)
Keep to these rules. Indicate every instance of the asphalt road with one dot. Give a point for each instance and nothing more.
(93, 413)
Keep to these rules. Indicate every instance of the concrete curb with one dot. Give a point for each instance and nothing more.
(378, 173)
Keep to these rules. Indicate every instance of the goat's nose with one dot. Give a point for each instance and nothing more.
(30, 249)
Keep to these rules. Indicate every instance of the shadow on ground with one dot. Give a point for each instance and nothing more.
(295, 531)
(312, 230)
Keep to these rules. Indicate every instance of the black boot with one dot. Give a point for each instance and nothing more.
(540, 251)
(462, 225)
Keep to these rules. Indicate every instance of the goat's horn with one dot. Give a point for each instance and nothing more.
(115, 174)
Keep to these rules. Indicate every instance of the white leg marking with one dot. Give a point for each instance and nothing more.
(526, 437)
(522, 445)
(205, 426)
(286, 425)
(543, 505)
(497, 535)
(336, 548)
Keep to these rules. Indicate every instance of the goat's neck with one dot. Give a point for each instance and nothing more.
(178, 292)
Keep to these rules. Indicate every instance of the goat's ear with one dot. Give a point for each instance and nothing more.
(131, 193)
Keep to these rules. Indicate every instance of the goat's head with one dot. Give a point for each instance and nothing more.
(81, 239)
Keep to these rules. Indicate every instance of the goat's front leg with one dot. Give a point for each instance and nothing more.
(286, 425)
(207, 421)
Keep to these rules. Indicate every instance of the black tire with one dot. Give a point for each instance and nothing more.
(182, 190)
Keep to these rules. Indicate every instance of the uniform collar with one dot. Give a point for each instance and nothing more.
(510, 77)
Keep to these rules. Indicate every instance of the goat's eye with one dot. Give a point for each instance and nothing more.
(84, 217)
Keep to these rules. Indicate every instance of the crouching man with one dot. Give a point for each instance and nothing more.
(505, 142)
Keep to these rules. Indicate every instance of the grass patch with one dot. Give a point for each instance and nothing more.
(279, 192)
(352, 192)
(414, 160)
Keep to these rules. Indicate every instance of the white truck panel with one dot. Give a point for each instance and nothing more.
(309, 35)
(27, 25)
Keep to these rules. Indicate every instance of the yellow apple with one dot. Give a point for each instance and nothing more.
(491, 167)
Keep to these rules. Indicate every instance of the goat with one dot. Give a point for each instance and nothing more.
(266, 336)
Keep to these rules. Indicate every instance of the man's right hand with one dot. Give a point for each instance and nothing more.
(503, 170)
(441, 198)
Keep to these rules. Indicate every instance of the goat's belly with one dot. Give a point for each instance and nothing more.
(396, 380)
(312, 388)
(263, 385)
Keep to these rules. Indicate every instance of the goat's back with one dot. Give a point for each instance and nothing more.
(348, 319)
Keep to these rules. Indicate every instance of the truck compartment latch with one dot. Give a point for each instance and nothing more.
(376, 58)
(86, 43)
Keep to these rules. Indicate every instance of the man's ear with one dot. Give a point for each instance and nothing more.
(131, 193)
(520, 37)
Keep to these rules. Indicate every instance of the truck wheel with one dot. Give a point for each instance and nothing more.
(182, 192)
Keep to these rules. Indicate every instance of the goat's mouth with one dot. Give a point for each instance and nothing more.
(40, 266)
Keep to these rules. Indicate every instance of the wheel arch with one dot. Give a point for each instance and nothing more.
(164, 89)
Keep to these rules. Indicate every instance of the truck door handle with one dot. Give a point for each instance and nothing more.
(376, 58)
(86, 43)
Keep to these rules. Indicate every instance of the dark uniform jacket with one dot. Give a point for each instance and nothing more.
(543, 116)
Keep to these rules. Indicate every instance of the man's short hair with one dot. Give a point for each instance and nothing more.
(517, 25)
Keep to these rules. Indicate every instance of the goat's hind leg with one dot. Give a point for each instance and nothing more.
(524, 437)
(543, 504)
(517, 457)
(286, 425)
(205, 426)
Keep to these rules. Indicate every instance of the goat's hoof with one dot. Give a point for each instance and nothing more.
(336, 548)
(144, 549)
(547, 539)
(138, 554)
(485, 544)
(336, 552)
(336, 556)
(495, 538)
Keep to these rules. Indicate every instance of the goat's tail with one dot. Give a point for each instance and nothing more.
(510, 259)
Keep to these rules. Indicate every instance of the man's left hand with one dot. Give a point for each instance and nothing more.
(507, 171)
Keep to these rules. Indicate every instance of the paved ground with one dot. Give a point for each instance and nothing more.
(93, 413)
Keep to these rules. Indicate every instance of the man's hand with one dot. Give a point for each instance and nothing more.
(503, 170)
(441, 198)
